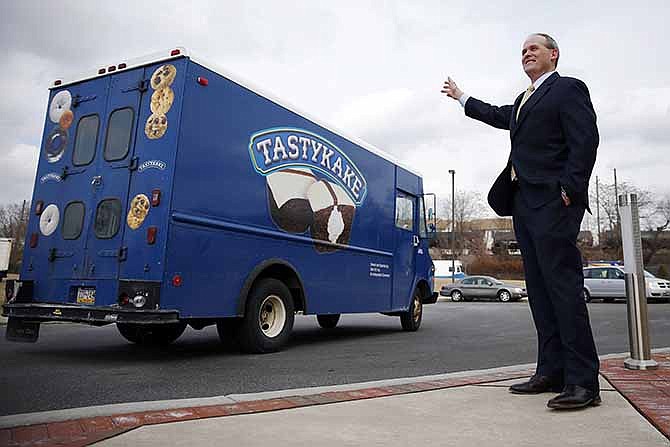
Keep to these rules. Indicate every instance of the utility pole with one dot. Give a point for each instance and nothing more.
(598, 209)
(453, 227)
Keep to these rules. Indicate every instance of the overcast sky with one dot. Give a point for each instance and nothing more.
(373, 69)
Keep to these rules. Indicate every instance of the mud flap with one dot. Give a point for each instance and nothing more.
(20, 330)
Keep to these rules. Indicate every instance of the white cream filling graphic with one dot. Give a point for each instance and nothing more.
(287, 185)
(335, 225)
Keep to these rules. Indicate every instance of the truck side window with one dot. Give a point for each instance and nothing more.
(86, 140)
(423, 232)
(73, 220)
(404, 211)
(119, 133)
(107, 218)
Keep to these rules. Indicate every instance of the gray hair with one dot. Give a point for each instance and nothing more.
(551, 44)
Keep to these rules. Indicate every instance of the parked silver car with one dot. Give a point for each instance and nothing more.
(482, 287)
(609, 284)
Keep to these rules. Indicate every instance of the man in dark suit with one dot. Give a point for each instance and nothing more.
(545, 188)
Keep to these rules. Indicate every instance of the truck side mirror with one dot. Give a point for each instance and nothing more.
(432, 217)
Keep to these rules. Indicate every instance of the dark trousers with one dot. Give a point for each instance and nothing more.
(552, 263)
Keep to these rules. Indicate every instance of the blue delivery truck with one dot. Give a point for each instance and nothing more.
(169, 194)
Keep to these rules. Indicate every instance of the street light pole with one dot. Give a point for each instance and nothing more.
(453, 228)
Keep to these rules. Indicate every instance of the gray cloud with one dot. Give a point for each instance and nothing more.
(373, 69)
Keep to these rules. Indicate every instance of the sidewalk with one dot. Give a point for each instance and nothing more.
(463, 409)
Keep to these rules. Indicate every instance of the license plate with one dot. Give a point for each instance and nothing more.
(85, 295)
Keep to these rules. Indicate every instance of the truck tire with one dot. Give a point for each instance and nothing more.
(227, 330)
(411, 320)
(328, 321)
(268, 319)
(158, 334)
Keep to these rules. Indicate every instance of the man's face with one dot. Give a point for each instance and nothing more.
(536, 58)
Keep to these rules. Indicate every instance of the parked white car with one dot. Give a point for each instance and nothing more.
(609, 284)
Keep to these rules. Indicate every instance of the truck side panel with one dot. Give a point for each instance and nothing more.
(223, 222)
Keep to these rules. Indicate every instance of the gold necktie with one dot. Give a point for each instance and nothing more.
(526, 95)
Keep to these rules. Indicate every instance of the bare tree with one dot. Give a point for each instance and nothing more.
(659, 222)
(13, 224)
(468, 205)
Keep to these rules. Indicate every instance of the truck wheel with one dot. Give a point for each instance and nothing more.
(328, 321)
(411, 320)
(227, 330)
(268, 319)
(159, 334)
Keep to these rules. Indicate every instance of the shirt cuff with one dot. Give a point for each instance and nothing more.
(463, 99)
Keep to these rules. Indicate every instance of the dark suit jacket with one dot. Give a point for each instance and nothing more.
(554, 143)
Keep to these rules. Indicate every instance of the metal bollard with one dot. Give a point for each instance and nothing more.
(636, 293)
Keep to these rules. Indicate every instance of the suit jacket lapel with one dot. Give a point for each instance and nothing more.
(534, 99)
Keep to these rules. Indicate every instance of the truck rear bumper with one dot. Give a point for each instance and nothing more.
(98, 316)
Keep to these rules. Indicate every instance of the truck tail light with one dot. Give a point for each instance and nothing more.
(155, 197)
(39, 207)
(176, 280)
(203, 81)
(33, 240)
(151, 235)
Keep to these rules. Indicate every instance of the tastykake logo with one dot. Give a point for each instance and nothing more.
(311, 185)
(280, 148)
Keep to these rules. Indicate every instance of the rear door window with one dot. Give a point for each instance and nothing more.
(85, 140)
(119, 134)
(107, 218)
(73, 220)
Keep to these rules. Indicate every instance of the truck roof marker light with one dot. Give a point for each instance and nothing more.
(155, 197)
(121, 66)
(39, 207)
(102, 71)
(58, 82)
(175, 52)
(176, 280)
(33, 240)
(203, 81)
(111, 68)
(151, 235)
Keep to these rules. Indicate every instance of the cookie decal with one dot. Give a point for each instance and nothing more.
(139, 208)
(156, 126)
(163, 76)
(161, 100)
(61, 102)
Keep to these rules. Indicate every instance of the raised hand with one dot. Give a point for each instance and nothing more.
(451, 89)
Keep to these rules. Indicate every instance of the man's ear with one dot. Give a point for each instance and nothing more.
(554, 55)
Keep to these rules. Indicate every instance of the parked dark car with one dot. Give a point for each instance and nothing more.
(483, 287)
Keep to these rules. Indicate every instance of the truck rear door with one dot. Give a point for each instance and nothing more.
(65, 192)
(108, 186)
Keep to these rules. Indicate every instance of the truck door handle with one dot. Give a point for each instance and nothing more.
(415, 240)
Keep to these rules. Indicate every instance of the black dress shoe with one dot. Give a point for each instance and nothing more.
(536, 385)
(574, 397)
